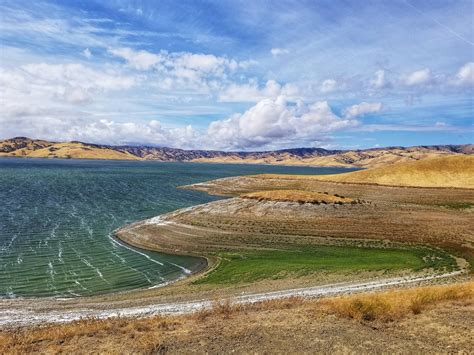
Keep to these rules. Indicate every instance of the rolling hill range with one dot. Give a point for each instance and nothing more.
(33, 148)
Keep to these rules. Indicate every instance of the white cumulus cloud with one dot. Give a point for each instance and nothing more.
(179, 62)
(379, 81)
(362, 109)
(465, 75)
(419, 77)
(279, 51)
(251, 92)
(273, 120)
(201, 74)
(87, 53)
(328, 85)
(49, 86)
(77, 75)
(39, 98)
(141, 60)
(62, 126)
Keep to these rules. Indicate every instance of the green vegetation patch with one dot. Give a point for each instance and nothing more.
(251, 266)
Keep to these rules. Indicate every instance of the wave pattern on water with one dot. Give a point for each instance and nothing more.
(57, 218)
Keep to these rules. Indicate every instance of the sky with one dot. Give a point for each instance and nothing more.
(238, 75)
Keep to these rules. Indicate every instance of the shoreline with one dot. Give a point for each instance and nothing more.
(211, 263)
(350, 167)
(20, 318)
(208, 265)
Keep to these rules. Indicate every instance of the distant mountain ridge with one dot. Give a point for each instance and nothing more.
(35, 148)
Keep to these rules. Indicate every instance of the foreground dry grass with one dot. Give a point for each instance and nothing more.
(394, 305)
(436, 318)
(298, 196)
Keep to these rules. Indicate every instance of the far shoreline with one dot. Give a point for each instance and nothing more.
(351, 168)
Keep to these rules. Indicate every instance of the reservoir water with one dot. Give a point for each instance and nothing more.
(57, 219)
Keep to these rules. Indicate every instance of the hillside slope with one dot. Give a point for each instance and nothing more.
(446, 171)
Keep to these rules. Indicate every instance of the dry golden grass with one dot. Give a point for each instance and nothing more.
(387, 306)
(297, 196)
(394, 305)
(226, 323)
(447, 171)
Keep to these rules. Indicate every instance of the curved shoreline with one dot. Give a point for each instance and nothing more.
(212, 262)
(207, 261)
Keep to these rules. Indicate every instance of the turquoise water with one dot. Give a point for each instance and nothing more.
(57, 219)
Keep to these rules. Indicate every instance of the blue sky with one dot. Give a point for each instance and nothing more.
(238, 75)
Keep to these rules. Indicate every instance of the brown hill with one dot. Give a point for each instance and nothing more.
(21, 146)
(25, 147)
